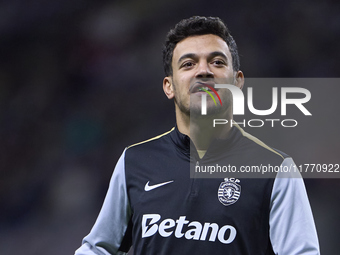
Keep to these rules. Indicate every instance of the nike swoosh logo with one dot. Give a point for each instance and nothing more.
(151, 187)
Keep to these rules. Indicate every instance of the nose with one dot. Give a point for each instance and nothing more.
(204, 71)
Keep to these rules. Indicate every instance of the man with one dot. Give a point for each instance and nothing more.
(154, 205)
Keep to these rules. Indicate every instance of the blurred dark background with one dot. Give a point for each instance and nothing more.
(80, 80)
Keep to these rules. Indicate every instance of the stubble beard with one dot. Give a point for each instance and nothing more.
(193, 109)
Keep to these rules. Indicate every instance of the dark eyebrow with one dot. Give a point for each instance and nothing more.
(218, 54)
(211, 55)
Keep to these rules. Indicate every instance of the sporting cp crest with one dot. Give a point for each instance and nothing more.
(229, 191)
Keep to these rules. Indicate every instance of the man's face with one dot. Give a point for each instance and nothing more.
(199, 61)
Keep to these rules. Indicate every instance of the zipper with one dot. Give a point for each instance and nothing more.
(194, 182)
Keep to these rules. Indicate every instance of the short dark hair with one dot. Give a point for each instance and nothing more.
(198, 25)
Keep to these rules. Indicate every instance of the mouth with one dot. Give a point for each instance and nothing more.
(204, 87)
(201, 87)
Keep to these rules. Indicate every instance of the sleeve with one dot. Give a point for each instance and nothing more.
(292, 228)
(109, 230)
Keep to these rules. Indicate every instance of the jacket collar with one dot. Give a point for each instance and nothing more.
(185, 144)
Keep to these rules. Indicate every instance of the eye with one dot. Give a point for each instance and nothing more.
(187, 64)
(218, 62)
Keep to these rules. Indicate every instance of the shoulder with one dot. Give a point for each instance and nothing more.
(258, 147)
(154, 143)
(152, 140)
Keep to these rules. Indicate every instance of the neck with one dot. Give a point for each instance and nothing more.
(201, 130)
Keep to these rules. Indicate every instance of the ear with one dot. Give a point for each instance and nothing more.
(168, 87)
(239, 79)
